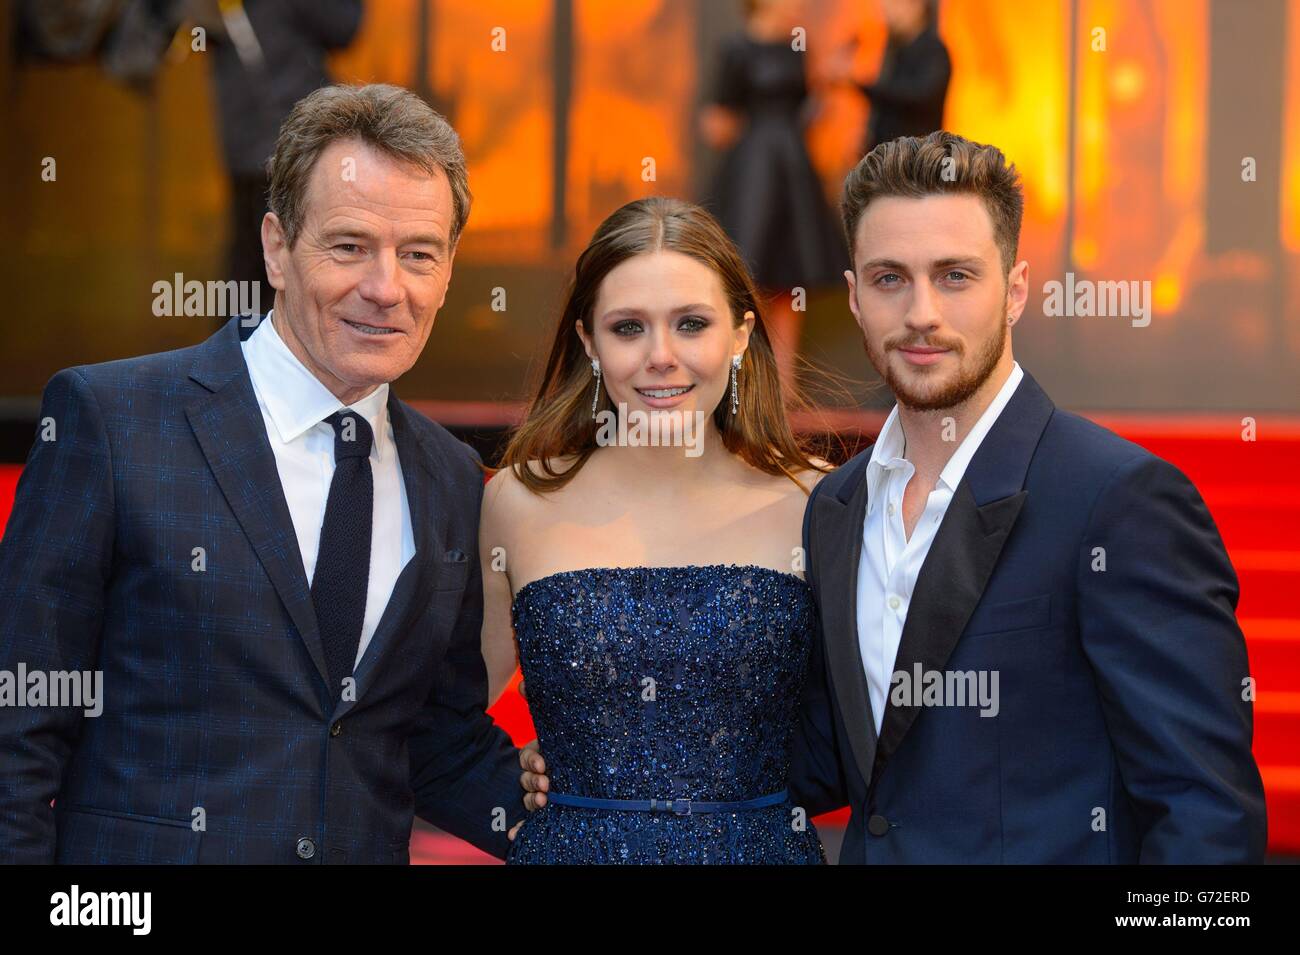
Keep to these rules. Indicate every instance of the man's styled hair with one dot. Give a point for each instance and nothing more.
(393, 120)
(937, 164)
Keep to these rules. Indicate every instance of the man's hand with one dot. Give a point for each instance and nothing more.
(533, 779)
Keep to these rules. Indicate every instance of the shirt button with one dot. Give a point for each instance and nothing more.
(891, 508)
(893, 603)
(306, 848)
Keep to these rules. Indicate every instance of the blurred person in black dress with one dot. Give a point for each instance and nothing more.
(766, 193)
(270, 54)
(908, 93)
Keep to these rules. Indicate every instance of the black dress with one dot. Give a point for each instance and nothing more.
(766, 194)
(907, 97)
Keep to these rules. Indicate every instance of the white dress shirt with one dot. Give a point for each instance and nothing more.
(294, 407)
(891, 561)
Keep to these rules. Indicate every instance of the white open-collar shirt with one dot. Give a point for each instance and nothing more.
(891, 561)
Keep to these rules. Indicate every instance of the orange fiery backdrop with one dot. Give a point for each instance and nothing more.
(1111, 144)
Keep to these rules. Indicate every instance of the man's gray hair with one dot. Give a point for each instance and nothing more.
(393, 120)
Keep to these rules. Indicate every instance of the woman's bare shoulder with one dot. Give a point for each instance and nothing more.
(811, 477)
(508, 490)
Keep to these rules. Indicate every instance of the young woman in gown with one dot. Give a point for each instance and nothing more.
(654, 595)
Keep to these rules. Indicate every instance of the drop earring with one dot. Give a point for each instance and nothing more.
(735, 396)
(595, 396)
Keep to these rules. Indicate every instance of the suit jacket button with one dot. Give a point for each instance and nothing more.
(306, 849)
(337, 728)
(877, 825)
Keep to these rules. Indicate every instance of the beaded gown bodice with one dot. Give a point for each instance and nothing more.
(666, 683)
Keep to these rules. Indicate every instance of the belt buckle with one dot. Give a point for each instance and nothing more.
(678, 807)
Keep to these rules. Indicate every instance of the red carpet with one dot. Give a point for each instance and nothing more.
(1251, 490)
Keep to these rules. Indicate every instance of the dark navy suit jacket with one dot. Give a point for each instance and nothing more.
(219, 740)
(1123, 732)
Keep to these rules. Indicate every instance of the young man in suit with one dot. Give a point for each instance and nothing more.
(267, 556)
(1029, 650)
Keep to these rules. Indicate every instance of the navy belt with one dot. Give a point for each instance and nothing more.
(680, 807)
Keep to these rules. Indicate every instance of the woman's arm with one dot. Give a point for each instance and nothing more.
(722, 118)
(500, 653)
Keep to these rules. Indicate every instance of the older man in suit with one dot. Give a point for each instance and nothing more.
(267, 555)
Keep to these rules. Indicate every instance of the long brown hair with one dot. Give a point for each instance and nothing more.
(559, 419)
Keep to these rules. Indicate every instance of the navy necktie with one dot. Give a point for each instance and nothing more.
(338, 587)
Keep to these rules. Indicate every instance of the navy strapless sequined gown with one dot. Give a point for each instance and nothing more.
(665, 682)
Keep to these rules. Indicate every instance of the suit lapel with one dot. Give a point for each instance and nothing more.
(232, 435)
(418, 476)
(965, 550)
(838, 532)
(950, 584)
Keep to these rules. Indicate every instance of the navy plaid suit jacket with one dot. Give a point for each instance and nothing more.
(219, 740)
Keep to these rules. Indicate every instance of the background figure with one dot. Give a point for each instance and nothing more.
(766, 193)
(908, 93)
(270, 55)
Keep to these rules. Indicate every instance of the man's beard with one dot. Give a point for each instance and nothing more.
(955, 392)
